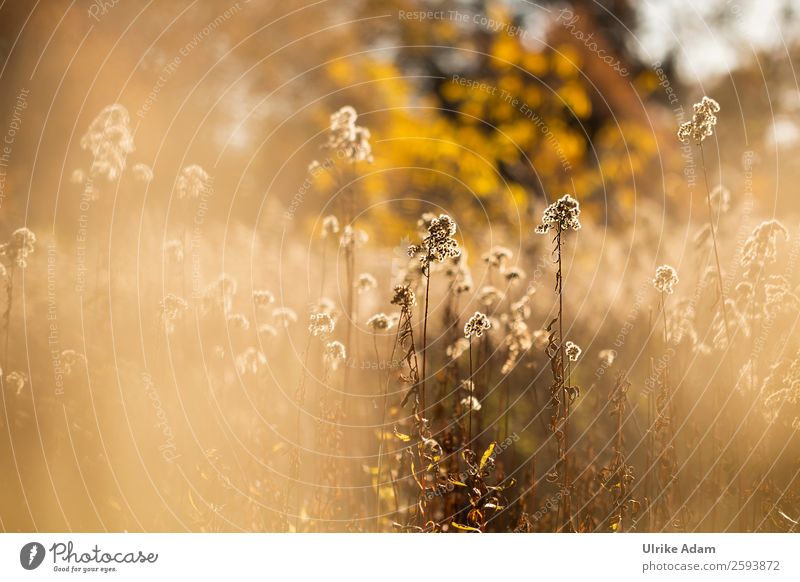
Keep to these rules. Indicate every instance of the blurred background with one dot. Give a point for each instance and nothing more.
(486, 110)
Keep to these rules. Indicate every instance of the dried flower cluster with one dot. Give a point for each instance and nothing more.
(284, 316)
(471, 403)
(263, 298)
(335, 354)
(403, 296)
(172, 308)
(110, 140)
(19, 247)
(498, 256)
(702, 124)
(330, 226)
(352, 237)
(142, 172)
(250, 361)
(192, 182)
(380, 321)
(476, 325)
(344, 135)
(219, 294)
(572, 350)
(666, 278)
(320, 324)
(366, 282)
(438, 244)
(561, 215)
(760, 248)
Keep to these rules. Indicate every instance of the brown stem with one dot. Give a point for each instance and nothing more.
(564, 501)
(10, 294)
(425, 339)
(716, 250)
(380, 432)
(470, 391)
(724, 317)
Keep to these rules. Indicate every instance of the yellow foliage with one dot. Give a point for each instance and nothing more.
(577, 100)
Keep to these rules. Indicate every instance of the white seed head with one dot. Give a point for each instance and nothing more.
(666, 278)
(561, 215)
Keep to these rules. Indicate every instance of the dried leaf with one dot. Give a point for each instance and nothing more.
(464, 527)
(486, 455)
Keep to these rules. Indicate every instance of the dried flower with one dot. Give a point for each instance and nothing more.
(19, 247)
(468, 386)
(721, 197)
(192, 182)
(239, 322)
(352, 237)
(476, 325)
(325, 305)
(782, 387)
(365, 282)
(330, 226)
(17, 380)
(335, 354)
(471, 403)
(250, 361)
(778, 297)
(457, 270)
(267, 329)
(403, 296)
(284, 316)
(321, 324)
(561, 215)
(488, 295)
(379, 321)
(438, 245)
(519, 341)
(458, 347)
(172, 308)
(702, 124)
(220, 293)
(607, 357)
(348, 137)
(666, 278)
(70, 359)
(760, 248)
(497, 256)
(110, 140)
(521, 309)
(513, 274)
(263, 298)
(142, 172)
(572, 350)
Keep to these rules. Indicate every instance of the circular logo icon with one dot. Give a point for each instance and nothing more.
(31, 555)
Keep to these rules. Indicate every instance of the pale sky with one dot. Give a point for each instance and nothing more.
(711, 36)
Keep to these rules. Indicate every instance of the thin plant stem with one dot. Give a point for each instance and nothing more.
(299, 401)
(10, 294)
(380, 434)
(564, 501)
(724, 318)
(471, 390)
(716, 250)
(425, 339)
